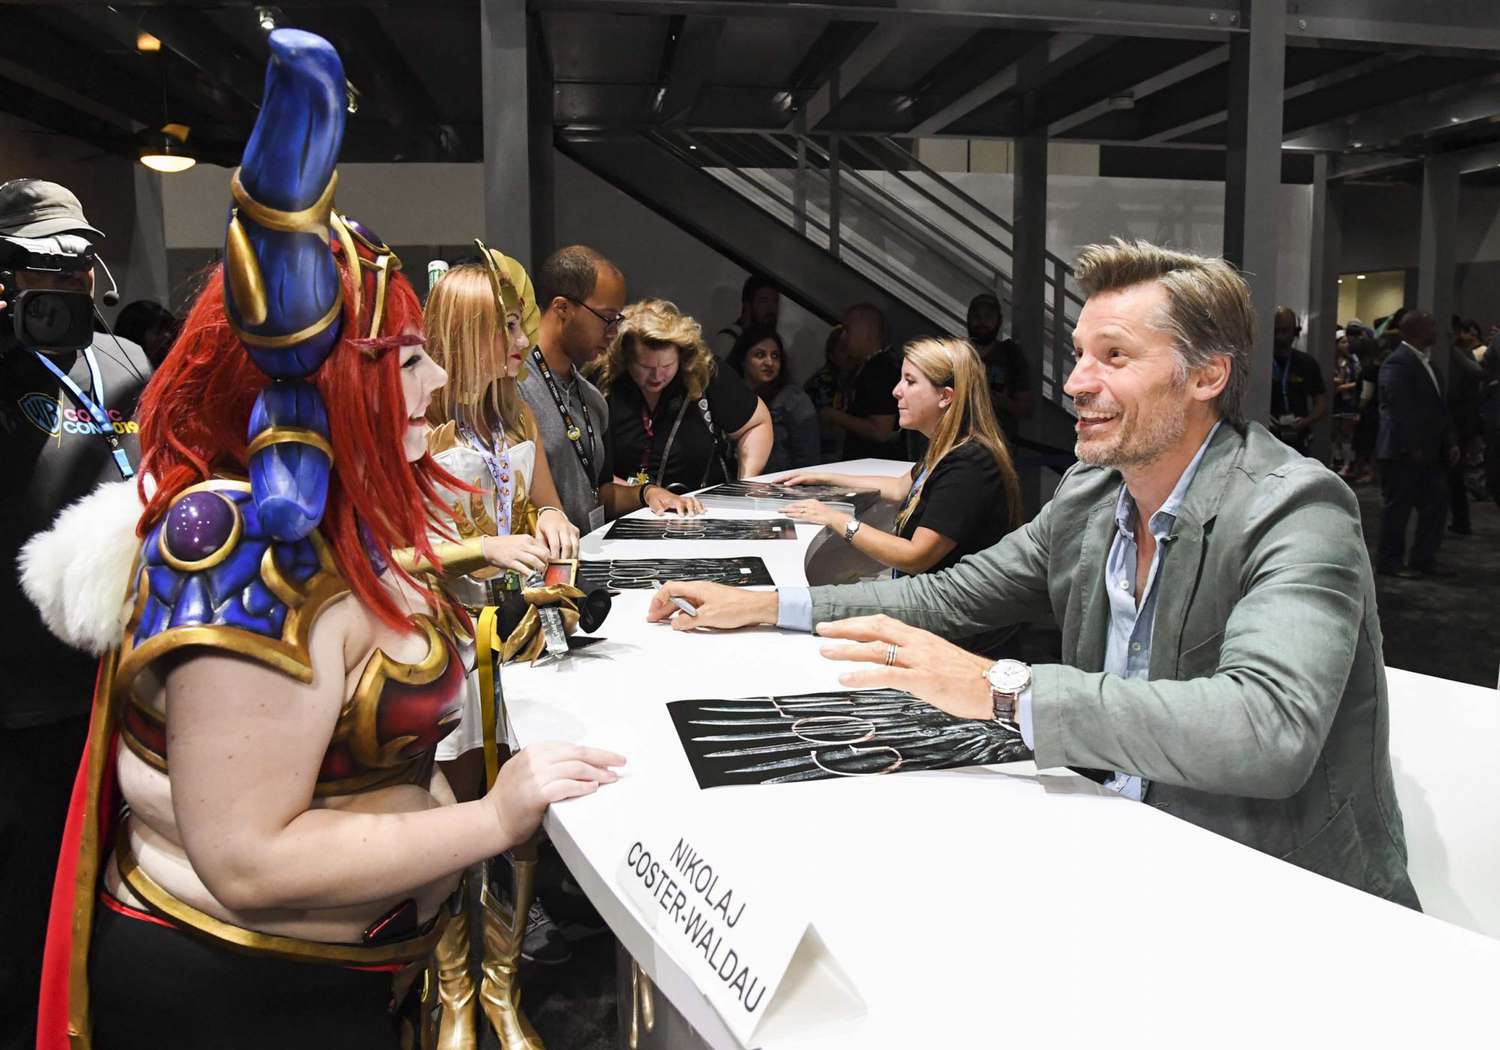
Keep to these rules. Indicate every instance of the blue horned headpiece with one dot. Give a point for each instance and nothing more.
(282, 288)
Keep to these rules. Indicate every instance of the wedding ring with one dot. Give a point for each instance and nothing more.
(890, 655)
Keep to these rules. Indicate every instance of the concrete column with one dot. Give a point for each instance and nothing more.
(507, 145)
(144, 275)
(1323, 293)
(1436, 262)
(539, 92)
(1257, 69)
(1029, 218)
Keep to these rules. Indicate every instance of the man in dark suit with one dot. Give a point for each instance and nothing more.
(1415, 448)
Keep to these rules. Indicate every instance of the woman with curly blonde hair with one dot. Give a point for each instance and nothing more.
(675, 417)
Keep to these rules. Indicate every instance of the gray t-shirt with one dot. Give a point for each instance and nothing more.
(578, 491)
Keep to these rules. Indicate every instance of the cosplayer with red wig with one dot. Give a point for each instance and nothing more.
(261, 849)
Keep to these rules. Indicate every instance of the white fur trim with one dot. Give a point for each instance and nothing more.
(77, 573)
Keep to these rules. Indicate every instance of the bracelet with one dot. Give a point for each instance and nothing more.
(644, 486)
(546, 507)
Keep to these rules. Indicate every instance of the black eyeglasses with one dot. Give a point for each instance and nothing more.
(609, 322)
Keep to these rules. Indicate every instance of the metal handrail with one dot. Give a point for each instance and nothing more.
(893, 214)
(790, 204)
(895, 147)
(889, 274)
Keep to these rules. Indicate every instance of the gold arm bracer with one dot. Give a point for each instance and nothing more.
(459, 558)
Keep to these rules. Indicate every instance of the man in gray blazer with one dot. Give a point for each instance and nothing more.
(1221, 648)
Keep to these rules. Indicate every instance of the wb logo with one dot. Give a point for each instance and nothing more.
(44, 411)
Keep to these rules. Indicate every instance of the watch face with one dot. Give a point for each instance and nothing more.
(1009, 676)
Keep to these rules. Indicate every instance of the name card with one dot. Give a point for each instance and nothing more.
(751, 952)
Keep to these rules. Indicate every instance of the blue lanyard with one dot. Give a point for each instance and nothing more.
(916, 484)
(106, 429)
(1284, 374)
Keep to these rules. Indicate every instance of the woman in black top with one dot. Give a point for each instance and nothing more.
(962, 497)
(760, 356)
(675, 418)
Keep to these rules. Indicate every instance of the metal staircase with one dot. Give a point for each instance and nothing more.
(838, 219)
(870, 202)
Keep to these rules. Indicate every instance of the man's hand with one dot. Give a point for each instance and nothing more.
(718, 606)
(947, 677)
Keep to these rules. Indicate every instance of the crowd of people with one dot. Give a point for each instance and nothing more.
(332, 502)
(1422, 425)
(561, 404)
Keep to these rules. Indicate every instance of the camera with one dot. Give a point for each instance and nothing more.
(45, 317)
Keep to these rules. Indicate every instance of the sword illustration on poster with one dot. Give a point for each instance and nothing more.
(703, 529)
(650, 573)
(768, 495)
(816, 736)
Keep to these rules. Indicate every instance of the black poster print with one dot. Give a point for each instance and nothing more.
(860, 499)
(815, 736)
(651, 573)
(703, 529)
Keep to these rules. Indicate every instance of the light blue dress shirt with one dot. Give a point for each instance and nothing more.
(1128, 652)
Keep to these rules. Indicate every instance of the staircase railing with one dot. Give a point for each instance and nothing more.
(871, 202)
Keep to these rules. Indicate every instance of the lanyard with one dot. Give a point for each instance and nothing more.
(1283, 374)
(497, 457)
(666, 452)
(648, 426)
(916, 486)
(574, 434)
(103, 426)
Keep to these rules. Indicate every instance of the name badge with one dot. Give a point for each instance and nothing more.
(751, 952)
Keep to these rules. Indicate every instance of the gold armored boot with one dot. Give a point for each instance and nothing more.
(500, 986)
(458, 1023)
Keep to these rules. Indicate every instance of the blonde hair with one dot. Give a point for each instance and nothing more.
(657, 323)
(462, 326)
(1208, 312)
(970, 418)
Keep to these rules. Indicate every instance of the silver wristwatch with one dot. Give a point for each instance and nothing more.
(850, 528)
(1008, 679)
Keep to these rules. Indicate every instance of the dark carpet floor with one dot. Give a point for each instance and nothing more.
(1442, 625)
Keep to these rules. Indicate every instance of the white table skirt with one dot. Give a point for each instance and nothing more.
(978, 906)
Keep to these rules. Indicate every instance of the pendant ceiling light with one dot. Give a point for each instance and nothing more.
(167, 150)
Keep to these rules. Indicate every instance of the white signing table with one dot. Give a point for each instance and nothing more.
(981, 906)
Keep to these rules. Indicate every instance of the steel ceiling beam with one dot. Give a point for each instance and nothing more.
(1048, 51)
(1189, 19)
(1210, 59)
(202, 46)
(1461, 24)
(1354, 70)
(1399, 121)
(1468, 161)
(379, 68)
(45, 62)
(850, 73)
(693, 56)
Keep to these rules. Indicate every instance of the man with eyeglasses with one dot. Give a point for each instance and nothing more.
(581, 294)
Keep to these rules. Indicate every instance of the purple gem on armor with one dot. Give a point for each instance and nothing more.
(363, 230)
(198, 526)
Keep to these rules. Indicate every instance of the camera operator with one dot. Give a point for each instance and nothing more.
(66, 420)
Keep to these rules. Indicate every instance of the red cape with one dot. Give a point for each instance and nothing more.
(62, 1015)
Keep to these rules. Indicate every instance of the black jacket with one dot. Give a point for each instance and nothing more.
(1414, 423)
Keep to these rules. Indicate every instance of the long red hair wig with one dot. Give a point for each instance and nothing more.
(195, 413)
